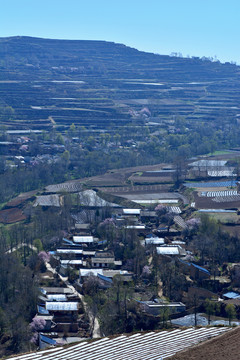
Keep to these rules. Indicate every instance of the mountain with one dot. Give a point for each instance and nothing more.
(100, 84)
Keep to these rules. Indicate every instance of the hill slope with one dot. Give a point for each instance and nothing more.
(97, 83)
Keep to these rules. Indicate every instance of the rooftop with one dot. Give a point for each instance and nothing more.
(61, 306)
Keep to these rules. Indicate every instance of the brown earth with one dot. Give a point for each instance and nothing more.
(108, 179)
(10, 216)
(232, 230)
(118, 177)
(223, 347)
(150, 179)
(20, 199)
(207, 203)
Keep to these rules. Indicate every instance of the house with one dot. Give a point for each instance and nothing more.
(154, 240)
(57, 297)
(88, 253)
(231, 295)
(76, 253)
(83, 273)
(172, 250)
(42, 310)
(82, 228)
(103, 259)
(198, 272)
(125, 275)
(147, 215)
(131, 212)
(157, 307)
(58, 308)
(74, 263)
(45, 342)
(162, 229)
(56, 290)
(136, 227)
(89, 240)
(104, 281)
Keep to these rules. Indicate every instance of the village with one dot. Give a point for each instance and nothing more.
(141, 255)
(145, 247)
(120, 212)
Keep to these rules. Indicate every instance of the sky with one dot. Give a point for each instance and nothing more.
(208, 28)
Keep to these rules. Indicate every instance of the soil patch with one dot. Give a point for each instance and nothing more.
(232, 230)
(10, 216)
(20, 199)
(118, 177)
(205, 202)
(150, 179)
(223, 347)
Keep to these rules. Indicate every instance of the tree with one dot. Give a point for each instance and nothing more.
(66, 158)
(38, 244)
(210, 309)
(59, 139)
(164, 316)
(72, 130)
(231, 312)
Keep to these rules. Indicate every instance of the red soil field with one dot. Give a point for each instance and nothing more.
(10, 216)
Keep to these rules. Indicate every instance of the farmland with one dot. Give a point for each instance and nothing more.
(137, 346)
(69, 85)
(108, 195)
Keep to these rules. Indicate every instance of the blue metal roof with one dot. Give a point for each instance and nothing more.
(232, 295)
(149, 236)
(102, 242)
(201, 268)
(69, 242)
(105, 278)
(195, 265)
(184, 262)
(47, 340)
(42, 310)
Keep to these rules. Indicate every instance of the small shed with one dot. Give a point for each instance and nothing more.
(154, 240)
(231, 295)
(83, 239)
(131, 212)
(170, 250)
(157, 307)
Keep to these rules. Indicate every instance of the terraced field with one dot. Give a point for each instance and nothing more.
(97, 83)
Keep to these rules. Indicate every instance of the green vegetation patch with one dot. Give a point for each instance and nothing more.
(225, 217)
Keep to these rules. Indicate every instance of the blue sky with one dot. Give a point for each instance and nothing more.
(192, 27)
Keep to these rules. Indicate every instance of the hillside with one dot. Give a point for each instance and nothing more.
(100, 84)
(139, 346)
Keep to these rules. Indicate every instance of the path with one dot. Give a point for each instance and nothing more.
(96, 327)
(32, 247)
